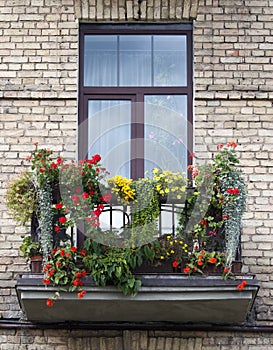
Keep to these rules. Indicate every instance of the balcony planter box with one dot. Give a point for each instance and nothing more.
(162, 298)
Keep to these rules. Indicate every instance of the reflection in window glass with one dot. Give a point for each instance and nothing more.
(170, 67)
(109, 134)
(165, 132)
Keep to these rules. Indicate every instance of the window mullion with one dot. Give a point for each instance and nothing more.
(137, 137)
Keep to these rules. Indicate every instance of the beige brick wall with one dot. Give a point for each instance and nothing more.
(38, 339)
(233, 49)
(234, 90)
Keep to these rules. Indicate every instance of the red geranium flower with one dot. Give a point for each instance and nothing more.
(220, 146)
(42, 170)
(53, 165)
(74, 249)
(85, 195)
(96, 158)
(59, 160)
(232, 144)
(62, 252)
(46, 281)
(212, 260)
(62, 219)
(175, 264)
(59, 206)
(75, 282)
(199, 262)
(83, 252)
(49, 302)
(57, 228)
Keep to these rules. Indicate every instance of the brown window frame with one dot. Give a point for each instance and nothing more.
(136, 94)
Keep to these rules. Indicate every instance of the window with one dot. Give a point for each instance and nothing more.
(135, 96)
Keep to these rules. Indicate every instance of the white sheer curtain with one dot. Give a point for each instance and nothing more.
(109, 124)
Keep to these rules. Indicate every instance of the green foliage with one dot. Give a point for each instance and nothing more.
(22, 198)
(111, 265)
(227, 198)
(29, 247)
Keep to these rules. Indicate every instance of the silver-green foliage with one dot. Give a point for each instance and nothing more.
(45, 219)
(233, 207)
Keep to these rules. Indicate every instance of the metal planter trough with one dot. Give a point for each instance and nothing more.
(162, 298)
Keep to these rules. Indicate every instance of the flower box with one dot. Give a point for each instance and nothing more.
(162, 298)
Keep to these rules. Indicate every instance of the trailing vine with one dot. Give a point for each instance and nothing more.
(45, 219)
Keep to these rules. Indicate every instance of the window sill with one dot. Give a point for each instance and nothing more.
(171, 298)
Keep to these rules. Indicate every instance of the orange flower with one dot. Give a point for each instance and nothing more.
(187, 269)
(200, 263)
(81, 294)
(240, 287)
(212, 260)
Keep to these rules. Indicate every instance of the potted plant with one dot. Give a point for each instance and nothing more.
(32, 252)
(21, 198)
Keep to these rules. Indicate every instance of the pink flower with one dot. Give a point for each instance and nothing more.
(194, 173)
(106, 197)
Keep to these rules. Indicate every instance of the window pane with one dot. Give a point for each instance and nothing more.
(135, 60)
(165, 132)
(170, 60)
(100, 60)
(109, 134)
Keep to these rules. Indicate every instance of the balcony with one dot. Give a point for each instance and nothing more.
(163, 297)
